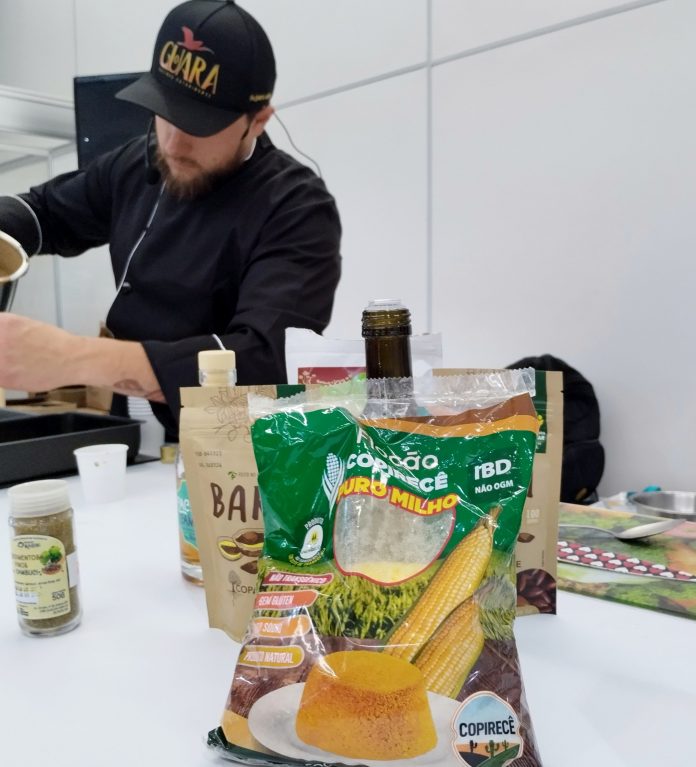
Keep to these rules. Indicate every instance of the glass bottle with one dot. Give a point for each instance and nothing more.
(386, 328)
(44, 558)
(216, 368)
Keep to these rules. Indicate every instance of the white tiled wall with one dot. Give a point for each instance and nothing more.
(562, 172)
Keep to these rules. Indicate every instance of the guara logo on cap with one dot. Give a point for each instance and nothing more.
(181, 61)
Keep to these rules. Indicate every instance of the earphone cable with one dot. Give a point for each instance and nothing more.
(299, 151)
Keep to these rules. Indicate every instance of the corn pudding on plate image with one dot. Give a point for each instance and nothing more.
(382, 630)
(272, 722)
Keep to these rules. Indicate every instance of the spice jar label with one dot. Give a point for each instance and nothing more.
(41, 577)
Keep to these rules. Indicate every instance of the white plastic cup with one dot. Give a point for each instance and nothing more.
(151, 430)
(102, 471)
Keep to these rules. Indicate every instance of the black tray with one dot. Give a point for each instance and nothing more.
(11, 415)
(34, 446)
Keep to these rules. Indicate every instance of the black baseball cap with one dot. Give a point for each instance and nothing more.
(212, 63)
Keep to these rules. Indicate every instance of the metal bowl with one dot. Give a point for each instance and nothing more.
(7, 291)
(14, 262)
(676, 504)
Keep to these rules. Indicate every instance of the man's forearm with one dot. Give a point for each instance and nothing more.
(121, 366)
(35, 356)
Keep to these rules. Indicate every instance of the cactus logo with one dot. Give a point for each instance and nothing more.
(312, 542)
(487, 732)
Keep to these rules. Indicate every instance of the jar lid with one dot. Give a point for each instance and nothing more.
(217, 359)
(384, 305)
(40, 498)
(168, 453)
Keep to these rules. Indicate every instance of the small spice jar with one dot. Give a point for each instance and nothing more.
(44, 558)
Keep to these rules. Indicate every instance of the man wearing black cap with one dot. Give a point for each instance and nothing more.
(217, 238)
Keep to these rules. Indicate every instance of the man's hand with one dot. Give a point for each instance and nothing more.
(35, 356)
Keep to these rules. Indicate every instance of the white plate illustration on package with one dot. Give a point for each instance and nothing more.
(272, 723)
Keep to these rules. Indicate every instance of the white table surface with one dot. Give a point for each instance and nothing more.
(143, 679)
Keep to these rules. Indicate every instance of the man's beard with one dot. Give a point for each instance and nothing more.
(199, 184)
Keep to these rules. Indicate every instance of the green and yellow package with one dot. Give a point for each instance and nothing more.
(382, 623)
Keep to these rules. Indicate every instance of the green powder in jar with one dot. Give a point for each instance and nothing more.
(44, 558)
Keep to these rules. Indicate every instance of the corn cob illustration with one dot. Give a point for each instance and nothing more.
(450, 653)
(456, 581)
(333, 476)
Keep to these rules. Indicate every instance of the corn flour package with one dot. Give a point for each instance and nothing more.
(382, 624)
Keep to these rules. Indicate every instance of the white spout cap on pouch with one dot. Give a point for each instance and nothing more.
(14, 261)
(217, 359)
(217, 367)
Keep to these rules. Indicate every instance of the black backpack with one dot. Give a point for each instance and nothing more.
(583, 455)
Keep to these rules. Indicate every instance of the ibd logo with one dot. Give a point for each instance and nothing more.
(182, 61)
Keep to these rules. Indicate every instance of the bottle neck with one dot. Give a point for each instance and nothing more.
(389, 376)
(388, 357)
(386, 328)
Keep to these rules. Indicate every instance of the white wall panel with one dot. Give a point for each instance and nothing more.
(459, 25)
(117, 35)
(37, 46)
(86, 290)
(564, 212)
(370, 144)
(85, 283)
(321, 45)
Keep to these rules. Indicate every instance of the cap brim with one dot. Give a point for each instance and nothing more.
(186, 113)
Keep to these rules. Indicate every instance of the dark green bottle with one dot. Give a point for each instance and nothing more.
(386, 328)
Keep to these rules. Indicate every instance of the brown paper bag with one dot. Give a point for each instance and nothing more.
(536, 544)
(538, 538)
(223, 490)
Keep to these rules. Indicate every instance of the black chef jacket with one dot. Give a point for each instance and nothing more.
(257, 254)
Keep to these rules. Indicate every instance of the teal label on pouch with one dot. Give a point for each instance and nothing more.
(183, 504)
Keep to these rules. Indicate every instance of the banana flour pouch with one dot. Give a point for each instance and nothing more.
(224, 496)
(382, 623)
